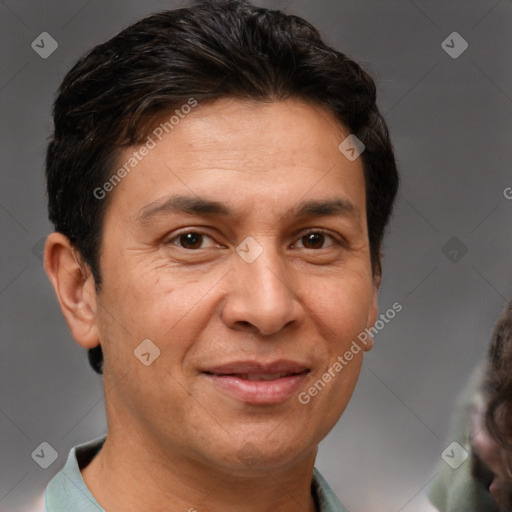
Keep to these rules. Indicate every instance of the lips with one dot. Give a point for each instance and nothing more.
(255, 368)
(261, 376)
(258, 383)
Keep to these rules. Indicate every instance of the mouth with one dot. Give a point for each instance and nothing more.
(256, 383)
(256, 376)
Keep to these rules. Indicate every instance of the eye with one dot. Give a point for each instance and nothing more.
(191, 240)
(317, 240)
(194, 240)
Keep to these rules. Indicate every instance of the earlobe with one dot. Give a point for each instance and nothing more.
(74, 287)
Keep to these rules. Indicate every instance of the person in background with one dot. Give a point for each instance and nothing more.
(483, 427)
(492, 439)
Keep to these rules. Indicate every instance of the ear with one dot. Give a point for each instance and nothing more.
(374, 307)
(75, 288)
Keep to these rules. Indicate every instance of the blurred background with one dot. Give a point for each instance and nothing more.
(445, 87)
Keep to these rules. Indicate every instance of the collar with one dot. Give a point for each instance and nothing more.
(67, 490)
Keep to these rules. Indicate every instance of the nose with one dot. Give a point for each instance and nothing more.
(262, 296)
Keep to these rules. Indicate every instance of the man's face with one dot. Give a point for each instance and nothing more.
(234, 317)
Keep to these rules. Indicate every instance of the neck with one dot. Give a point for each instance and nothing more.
(130, 474)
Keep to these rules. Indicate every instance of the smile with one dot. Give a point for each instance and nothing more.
(256, 383)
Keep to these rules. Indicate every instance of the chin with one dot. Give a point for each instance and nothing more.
(260, 456)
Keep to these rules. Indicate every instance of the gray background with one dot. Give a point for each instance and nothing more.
(451, 122)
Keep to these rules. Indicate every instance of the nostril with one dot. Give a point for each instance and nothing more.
(245, 325)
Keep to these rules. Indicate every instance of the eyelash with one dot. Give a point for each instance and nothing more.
(319, 231)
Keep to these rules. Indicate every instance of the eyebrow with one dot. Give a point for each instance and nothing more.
(202, 206)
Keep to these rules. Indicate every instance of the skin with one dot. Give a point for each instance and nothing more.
(174, 439)
(493, 457)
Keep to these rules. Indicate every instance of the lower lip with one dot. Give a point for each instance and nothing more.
(258, 391)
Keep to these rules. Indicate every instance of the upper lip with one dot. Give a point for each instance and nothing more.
(255, 367)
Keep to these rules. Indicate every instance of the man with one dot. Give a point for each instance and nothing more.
(220, 181)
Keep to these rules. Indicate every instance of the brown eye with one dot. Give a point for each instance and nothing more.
(190, 240)
(313, 240)
(316, 240)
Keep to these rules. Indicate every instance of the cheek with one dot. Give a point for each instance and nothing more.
(149, 298)
(344, 306)
(157, 303)
(341, 310)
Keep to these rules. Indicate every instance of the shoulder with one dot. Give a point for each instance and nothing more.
(67, 490)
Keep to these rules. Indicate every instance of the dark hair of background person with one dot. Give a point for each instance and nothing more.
(498, 384)
(215, 49)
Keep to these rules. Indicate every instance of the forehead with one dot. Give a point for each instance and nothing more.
(245, 152)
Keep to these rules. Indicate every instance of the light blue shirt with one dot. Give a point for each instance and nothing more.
(67, 491)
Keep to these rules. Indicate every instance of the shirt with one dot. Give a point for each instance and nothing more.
(67, 490)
